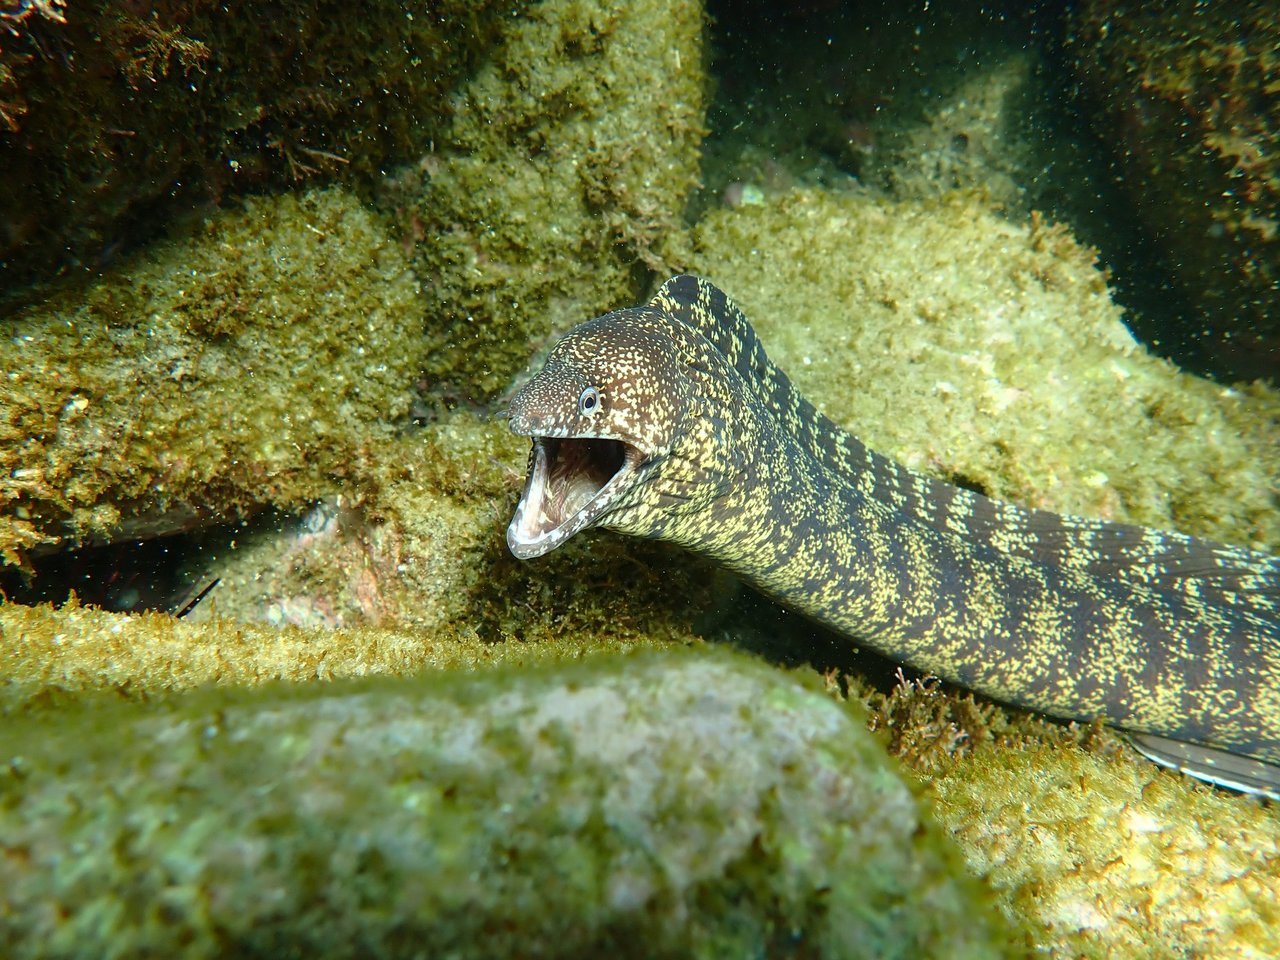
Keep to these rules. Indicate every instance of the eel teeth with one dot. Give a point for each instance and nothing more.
(572, 481)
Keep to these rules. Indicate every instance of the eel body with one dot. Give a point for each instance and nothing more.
(669, 421)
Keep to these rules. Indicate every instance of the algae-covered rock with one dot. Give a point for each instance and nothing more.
(1093, 850)
(114, 116)
(571, 152)
(990, 353)
(1107, 856)
(255, 361)
(1187, 96)
(648, 806)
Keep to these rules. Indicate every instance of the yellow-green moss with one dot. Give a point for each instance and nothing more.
(990, 353)
(571, 152)
(1109, 856)
(649, 806)
(1094, 851)
(50, 658)
(253, 361)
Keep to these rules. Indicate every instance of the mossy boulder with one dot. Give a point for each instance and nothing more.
(114, 117)
(1105, 856)
(255, 361)
(1094, 851)
(547, 197)
(52, 658)
(659, 805)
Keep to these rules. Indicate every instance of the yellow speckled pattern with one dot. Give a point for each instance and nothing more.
(1155, 632)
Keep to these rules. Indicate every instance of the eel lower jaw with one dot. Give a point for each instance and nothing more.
(572, 483)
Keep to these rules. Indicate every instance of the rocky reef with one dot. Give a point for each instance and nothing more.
(380, 731)
(532, 209)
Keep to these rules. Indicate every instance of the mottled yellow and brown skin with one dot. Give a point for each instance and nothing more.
(1076, 618)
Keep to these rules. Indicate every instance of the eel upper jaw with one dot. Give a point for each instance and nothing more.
(572, 483)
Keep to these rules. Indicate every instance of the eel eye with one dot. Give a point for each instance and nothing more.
(589, 401)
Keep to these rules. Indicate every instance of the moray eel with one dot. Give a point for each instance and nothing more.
(669, 421)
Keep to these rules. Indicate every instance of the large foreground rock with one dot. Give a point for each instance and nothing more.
(659, 805)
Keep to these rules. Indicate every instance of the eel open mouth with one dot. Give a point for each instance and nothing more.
(572, 481)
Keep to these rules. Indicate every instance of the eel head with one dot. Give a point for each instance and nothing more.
(603, 413)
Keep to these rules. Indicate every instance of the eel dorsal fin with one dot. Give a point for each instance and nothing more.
(704, 307)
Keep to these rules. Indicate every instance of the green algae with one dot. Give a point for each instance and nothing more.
(1106, 856)
(1002, 341)
(546, 198)
(50, 658)
(654, 806)
(413, 573)
(252, 362)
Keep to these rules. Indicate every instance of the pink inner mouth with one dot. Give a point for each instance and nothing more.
(571, 481)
